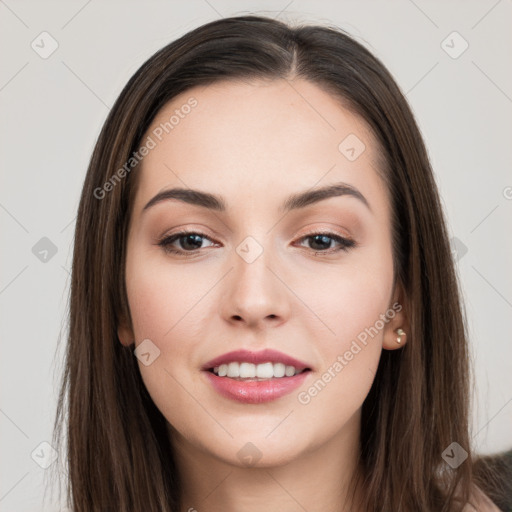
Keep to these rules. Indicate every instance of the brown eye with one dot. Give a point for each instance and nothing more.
(188, 242)
(321, 242)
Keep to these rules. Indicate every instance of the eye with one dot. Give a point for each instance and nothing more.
(189, 242)
(321, 242)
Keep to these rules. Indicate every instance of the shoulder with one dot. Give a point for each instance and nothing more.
(480, 502)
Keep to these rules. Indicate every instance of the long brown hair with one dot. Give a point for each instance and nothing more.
(118, 454)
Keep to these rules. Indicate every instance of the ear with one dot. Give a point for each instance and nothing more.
(125, 332)
(398, 319)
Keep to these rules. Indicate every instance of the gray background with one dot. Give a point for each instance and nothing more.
(52, 110)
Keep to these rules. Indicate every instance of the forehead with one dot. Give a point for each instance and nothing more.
(248, 138)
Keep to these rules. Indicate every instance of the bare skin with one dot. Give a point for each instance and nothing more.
(255, 145)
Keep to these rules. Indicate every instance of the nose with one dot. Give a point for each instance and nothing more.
(254, 294)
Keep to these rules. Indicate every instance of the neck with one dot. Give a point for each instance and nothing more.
(314, 480)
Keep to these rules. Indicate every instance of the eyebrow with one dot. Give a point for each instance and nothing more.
(293, 202)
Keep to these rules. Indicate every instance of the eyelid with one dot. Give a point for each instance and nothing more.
(188, 229)
(327, 231)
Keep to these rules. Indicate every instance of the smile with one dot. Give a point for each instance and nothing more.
(255, 377)
(262, 371)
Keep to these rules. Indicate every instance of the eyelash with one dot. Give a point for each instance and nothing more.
(345, 243)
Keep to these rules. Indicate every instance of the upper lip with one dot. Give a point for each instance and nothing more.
(263, 356)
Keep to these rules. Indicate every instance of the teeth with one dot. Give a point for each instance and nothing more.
(280, 370)
(247, 370)
(233, 370)
(250, 371)
(289, 371)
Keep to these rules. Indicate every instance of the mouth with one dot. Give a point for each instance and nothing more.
(249, 371)
(255, 377)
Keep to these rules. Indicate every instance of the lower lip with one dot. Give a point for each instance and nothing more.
(254, 391)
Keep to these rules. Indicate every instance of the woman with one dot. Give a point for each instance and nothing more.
(264, 311)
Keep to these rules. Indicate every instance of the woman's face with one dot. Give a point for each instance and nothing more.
(252, 276)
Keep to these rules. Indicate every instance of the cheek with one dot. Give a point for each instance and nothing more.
(348, 299)
(163, 297)
(171, 305)
(352, 306)
(352, 301)
(166, 308)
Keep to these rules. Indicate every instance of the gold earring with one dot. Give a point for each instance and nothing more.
(400, 333)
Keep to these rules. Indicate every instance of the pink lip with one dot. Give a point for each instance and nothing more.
(254, 391)
(264, 356)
